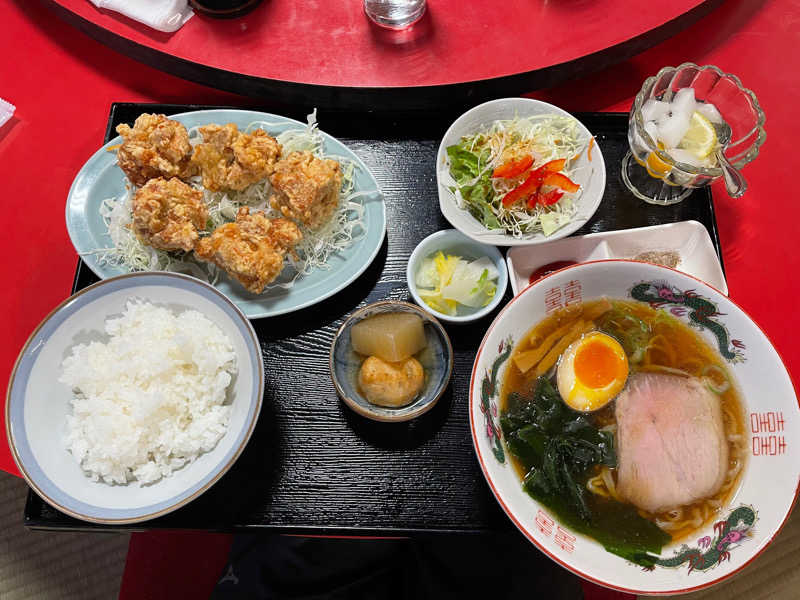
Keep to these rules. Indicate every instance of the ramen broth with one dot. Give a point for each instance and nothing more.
(668, 347)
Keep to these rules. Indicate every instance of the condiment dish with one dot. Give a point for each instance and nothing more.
(688, 241)
(453, 242)
(436, 359)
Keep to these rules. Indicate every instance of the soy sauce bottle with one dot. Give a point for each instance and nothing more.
(224, 8)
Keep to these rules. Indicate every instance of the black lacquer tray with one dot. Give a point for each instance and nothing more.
(312, 465)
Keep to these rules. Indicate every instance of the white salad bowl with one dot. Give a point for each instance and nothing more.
(37, 403)
(590, 174)
(452, 241)
(768, 485)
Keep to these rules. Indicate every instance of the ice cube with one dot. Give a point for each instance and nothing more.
(654, 109)
(685, 156)
(652, 130)
(672, 128)
(683, 102)
(710, 112)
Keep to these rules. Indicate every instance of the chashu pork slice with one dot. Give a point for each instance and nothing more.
(671, 443)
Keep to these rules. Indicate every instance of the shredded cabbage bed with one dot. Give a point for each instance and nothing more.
(467, 173)
(345, 226)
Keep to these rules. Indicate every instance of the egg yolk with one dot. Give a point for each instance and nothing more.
(597, 364)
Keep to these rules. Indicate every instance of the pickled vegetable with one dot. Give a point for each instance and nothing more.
(447, 280)
(390, 336)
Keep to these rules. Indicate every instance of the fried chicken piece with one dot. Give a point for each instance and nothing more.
(155, 147)
(252, 249)
(306, 188)
(231, 160)
(168, 214)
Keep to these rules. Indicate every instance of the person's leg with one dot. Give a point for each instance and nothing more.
(277, 567)
(431, 567)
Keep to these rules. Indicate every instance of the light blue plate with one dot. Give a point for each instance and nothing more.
(101, 178)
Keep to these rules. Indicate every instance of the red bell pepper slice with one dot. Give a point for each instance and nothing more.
(533, 199)
(554, 165)
(512, 168)
(560, 180)
(527, 187)
(545, 198)
(534, 180)
(550, 198)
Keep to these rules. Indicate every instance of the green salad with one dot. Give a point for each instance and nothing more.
(519, 176)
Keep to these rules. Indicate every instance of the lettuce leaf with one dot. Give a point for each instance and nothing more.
(464, 165)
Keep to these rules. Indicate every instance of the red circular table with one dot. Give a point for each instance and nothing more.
(330, 55)
(69, 81)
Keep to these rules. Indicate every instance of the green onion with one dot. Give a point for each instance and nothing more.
(711, 383)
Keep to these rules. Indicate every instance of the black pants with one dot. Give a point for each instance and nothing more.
(490, 567)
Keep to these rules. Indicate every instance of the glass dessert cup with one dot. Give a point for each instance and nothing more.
(650, 173)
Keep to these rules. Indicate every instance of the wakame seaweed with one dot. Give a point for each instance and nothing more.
(558, 448)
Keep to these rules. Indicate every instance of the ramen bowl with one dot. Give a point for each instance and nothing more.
(749, 518)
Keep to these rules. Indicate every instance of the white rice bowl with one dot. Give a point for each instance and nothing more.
(152, 398)
(188, 458)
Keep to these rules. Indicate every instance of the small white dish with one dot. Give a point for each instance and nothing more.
(436, 359)
(689, 239)
(451, 241)
(591, 174)
(37, 403)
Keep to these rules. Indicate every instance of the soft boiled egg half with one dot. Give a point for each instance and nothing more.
(592, 371)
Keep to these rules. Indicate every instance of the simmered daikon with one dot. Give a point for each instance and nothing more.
(390, 336)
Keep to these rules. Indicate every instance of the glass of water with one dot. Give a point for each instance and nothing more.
(394, 14)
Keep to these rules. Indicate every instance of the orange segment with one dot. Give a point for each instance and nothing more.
(656, 167)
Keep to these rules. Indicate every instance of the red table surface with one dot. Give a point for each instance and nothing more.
(457, 41)
(63, 83)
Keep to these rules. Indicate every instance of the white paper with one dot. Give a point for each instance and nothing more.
(6, 111)
(163, 15)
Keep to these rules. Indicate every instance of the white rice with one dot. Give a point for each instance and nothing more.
(151, 399)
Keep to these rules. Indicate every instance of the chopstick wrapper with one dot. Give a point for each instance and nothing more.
(6, 111)
(163, 15)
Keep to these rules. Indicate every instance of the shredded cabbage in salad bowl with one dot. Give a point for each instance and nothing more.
(518, 171)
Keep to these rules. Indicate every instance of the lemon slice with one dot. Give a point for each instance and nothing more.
(701, 138)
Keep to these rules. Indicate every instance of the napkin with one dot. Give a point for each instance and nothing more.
(163, 15)
(6, 111)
